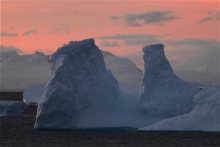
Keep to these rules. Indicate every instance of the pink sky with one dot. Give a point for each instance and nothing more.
(54, 23)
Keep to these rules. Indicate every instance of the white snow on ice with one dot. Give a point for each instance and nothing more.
(204, 117)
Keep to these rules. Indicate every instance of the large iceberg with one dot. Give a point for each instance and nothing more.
(163, 93)
(79, 80)
(82, 92)
(204, 117)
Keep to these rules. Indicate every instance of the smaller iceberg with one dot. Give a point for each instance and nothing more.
(163, 93)
(12, 108)
(204, 117)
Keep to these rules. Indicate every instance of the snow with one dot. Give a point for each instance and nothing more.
(79, 80)
(123, 70)
(163, 93)
(12, 108)
(204, 117)
(33, 94)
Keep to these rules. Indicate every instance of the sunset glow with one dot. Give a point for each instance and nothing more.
(47, 25)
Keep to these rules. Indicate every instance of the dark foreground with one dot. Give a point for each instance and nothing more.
(19, 131)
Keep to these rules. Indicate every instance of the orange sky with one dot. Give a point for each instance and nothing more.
(57, 22)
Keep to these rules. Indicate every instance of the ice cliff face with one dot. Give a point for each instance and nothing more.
(79, 80)
(163, 93)
(204, 117)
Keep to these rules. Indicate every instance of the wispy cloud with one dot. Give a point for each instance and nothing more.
(57, 30)
(3, 33)
(151, 17)
(206, 19)
(210, 12)
(109, 44)
(29, 32)
(113, 17)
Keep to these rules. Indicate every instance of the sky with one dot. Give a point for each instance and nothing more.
(187, 28)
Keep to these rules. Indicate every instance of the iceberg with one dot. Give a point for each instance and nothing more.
(33, 94)
(79, 80)
(83, 93)
(20, 72)
(123, 69)
(163, 93)
(12, 108)
(204, 117)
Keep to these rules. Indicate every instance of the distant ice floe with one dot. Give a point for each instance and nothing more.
(204, 117)
(33, 94)
(12, 108)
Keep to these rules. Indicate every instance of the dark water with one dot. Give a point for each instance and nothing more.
(19, 131)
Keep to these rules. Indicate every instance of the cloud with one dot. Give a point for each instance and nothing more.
(11, 28)
(125, 36)
(206, 19)
(191, 41)
(190, 47)
(3, 33)
(113, 17)
(109, 44)
(63, 24)
(57, 30)
(29, 32)
(210, 12)
(45, 10)
(135, 39)
(175, 49)
(150, 17)
(215, 16)
(218, 15)
(10, 48)
(143, 42)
